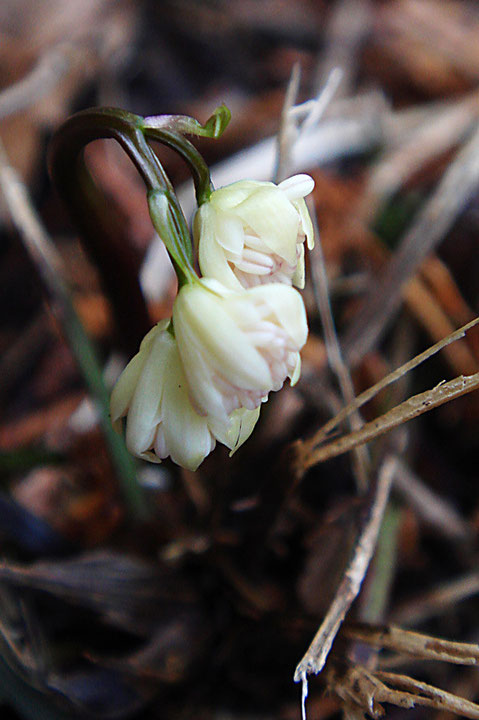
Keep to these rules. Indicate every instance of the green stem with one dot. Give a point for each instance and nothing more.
(75, 185)
(196, 163)
(376, 592)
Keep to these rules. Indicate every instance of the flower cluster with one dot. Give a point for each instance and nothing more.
(235, 334)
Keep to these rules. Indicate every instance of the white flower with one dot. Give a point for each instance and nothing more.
(153, 394)
(251, 233)
(238, 346)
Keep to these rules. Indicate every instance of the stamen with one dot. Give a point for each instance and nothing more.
(249, 267)
(258, 258)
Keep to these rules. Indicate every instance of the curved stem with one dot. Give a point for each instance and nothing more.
(198, 167)
(102, 228)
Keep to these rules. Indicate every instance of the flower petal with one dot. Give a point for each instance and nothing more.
(186, 433)
(230, 196)
(306, 222)
(274, 219)
(286, 308)
(297, 186)
(144, 412)
(211, 255)
(298, 278)
(125, 387)
(221, 341)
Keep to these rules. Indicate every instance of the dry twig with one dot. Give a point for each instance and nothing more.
(408, 410)
(414, 644)
(315, 657)
(308, 447)
(363, 691)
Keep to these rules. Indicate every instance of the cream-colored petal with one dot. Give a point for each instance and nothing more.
(287, 307)
(271, 216)
(242, 425)
(222, 341)
(296, 372)
(230, 196)
(298, 279)
(229, 233)
(125, 386)
(306, 222)
(186, 433)
(297, 186)
(201, 376)
(213, 262)
(144, 412)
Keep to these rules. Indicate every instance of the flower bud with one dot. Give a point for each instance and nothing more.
(153, 394)
(238, 346)
(252, 233)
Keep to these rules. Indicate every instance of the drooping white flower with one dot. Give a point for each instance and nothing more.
(238, 346)
(153, 394)
(251, 233)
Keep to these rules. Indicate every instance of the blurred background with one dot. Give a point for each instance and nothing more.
(203, 607)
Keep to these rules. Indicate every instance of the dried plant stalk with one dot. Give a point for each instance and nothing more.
(416, 405)
(315, 657)
(418, 645)
(361, 689)
(308, 446)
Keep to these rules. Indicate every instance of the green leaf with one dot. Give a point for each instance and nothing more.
(185, 125)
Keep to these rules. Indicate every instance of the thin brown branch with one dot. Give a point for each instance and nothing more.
(365, 691)
(348, 589)
(426, 142)
(414, 644)
(347, 27)
(287, 128)
(408, 689)
(392, 377)
(408, 410)
(333, 350)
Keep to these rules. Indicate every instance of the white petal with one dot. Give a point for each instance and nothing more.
(125, 387)
(223, 343)
(297, 371)
(186, 433)
(229, 233)
(230, 196)
(201, 376)
(126, 383)
(286, 309)
(306, 222)
(297, 186)
(274, 219)
(298, 278)
(211, 256)
(143, 415)
(243, 422)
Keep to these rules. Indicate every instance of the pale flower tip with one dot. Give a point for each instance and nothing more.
(297, 186)
(296, 372)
